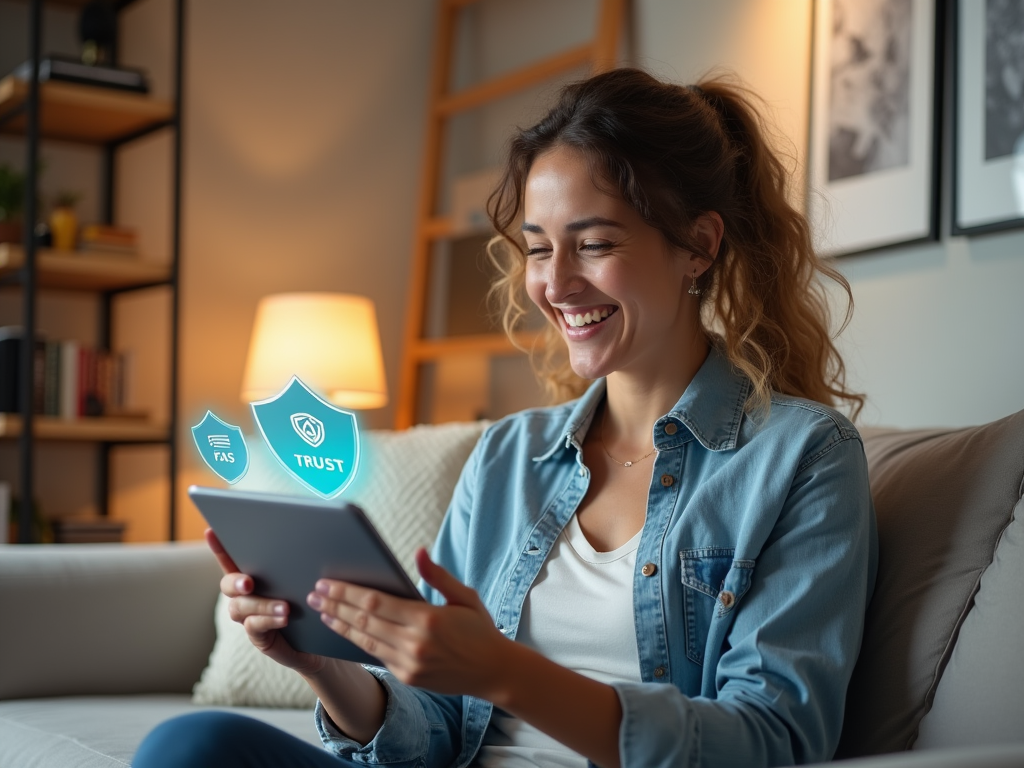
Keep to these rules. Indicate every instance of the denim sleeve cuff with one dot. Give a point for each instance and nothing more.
(658, 727)
(403, 737)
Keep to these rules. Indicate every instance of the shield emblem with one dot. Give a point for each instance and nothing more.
(315, 441)
(222, 447)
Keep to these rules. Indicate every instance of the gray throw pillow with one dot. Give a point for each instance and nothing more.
(942, 499)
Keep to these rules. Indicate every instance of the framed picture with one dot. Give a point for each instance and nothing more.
(874, 132)
(988, 174)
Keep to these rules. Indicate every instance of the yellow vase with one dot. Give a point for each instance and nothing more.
(64, 228)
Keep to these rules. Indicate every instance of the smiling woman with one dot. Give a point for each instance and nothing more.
(671, 569)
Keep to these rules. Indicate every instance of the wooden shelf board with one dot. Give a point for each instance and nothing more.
(84, 113)
(83, 271)
(483, 344)
(88, 429)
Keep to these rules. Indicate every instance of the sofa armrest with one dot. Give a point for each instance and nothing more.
(104, 619)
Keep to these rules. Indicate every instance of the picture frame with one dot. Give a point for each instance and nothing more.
(988, 122)
(875, 117)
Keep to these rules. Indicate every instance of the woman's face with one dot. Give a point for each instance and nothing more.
(612, 285)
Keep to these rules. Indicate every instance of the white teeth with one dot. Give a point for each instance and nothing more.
(579, 320)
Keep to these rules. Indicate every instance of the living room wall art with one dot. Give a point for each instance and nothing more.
(874, 132)
(988, 174)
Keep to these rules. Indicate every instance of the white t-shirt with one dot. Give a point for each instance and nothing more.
(579, 614)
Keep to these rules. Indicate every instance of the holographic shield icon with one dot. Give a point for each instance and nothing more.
(315, 441)
(222, 447)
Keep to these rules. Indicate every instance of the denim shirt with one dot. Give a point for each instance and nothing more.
(754, 569)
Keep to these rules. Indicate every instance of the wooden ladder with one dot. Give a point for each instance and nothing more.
(599, 53)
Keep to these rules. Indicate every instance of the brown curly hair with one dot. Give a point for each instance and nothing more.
(674, 152)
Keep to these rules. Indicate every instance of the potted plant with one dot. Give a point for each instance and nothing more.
(12, 201)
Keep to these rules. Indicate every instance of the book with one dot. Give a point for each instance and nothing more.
(74, 71)
(69, 373)
(71, 380)
(51, 378)
(10, 351)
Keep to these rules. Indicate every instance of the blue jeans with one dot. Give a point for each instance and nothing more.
(226, 740)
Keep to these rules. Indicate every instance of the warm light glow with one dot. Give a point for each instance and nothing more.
(329, 340)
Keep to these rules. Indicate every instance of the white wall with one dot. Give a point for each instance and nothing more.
(937, 336)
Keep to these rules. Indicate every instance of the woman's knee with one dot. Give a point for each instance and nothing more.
(198, 739)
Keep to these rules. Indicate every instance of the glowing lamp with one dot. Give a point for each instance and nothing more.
(329, 340)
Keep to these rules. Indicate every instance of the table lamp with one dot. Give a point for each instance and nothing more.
(329, 340)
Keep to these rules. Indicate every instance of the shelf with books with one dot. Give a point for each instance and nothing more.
(84, 113)
(81, 271)
(115, 429)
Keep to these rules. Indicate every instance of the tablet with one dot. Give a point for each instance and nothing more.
(286, 543)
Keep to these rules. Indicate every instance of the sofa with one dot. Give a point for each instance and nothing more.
(99, 643)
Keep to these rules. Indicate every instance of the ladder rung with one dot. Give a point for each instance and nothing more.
(514, 81)
(484, 343)
(437, 227)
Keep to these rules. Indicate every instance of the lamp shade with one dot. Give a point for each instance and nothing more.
(329, 340)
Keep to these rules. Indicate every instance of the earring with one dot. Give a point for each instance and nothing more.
(694, 290)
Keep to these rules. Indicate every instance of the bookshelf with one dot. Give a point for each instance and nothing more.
(108, 120)
(90, 429)
(95, 271)
(81, 113)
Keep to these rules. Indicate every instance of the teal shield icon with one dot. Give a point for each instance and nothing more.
(222, 447)
(316, 442)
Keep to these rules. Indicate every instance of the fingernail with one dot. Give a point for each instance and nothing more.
(322, 587)
(241, 584)
(279, 609)
(315, 601)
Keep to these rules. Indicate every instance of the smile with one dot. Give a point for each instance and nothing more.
(590, 317)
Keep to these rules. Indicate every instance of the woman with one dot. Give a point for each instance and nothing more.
(670, 570)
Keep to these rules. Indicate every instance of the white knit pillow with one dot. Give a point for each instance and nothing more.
(404, 484)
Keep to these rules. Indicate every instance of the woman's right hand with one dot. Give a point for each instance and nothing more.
(262, 617)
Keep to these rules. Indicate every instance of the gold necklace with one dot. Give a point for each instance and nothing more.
(600, 439)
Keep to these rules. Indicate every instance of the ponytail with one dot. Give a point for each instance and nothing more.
(673, 153)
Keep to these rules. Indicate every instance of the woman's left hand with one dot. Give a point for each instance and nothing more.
(450, 649)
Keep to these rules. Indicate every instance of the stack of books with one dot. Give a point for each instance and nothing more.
(109, 239)
(87, 530)
(75, 71)
(70, 379)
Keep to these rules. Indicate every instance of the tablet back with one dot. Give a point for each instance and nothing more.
(287, 543)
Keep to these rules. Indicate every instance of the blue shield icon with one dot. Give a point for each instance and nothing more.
(222, 447)
(316, 442)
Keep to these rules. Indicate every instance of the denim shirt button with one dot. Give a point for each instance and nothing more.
(667, 480)
(671, 428)
(649, 569)
(659, 671)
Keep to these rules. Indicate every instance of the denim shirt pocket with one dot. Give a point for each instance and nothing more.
(713, 583)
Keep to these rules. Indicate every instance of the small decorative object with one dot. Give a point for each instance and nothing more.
(988, 175)
(97, 28)
(12, 201)
(64, 221)
(874, 124)
(108, 239)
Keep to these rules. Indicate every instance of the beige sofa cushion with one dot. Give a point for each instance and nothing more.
(942, 499)
(405, 483)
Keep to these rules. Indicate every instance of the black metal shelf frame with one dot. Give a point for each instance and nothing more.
(28, 277)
